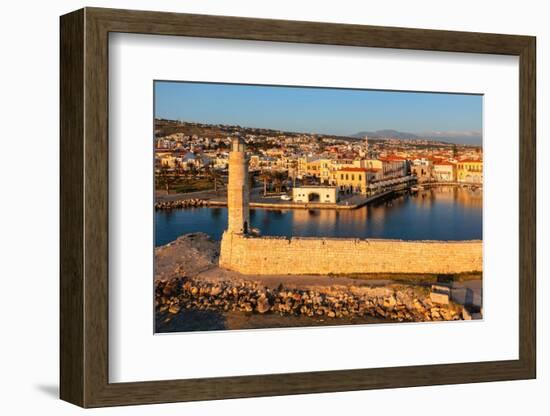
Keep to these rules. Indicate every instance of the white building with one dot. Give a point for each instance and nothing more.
(444, 172)
(324, 194)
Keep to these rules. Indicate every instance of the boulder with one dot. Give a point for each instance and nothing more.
(390, 302)
(263, 305)
(174, 309)
(215, 291)
(439, 298)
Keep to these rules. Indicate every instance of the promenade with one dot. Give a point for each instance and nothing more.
(258, 200)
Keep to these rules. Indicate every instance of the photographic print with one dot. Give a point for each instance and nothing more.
(291, 206)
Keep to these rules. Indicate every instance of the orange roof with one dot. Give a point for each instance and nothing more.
(359, 169)
(470, 161)
(392, 159)
(444, 163)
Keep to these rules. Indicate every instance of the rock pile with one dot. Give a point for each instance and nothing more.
(397, 303)
(184, 203)
(188, 255)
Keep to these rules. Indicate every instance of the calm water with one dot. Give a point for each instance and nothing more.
(444, 213)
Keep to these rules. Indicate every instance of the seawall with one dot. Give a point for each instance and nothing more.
(303, 255)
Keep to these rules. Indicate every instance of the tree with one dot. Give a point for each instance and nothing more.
(278, 179)
(164, 178)
(265, 176)
(214, 176)
(191, 169)
(178, 167)
(293, 170)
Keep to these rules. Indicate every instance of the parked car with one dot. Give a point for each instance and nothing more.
(286, 197)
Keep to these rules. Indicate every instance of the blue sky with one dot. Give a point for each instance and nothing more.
(321, 110)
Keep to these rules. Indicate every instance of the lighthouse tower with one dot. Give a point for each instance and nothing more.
(238, 193)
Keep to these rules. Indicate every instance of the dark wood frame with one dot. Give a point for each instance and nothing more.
(84, 207)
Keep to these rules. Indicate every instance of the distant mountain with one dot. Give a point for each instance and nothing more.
(386, 133)
(460, 137)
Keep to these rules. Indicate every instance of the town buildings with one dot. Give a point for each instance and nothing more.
(352, 166)
(444, 172)
(422, 169)
(312, 193)
(352, 180)
(470, 171)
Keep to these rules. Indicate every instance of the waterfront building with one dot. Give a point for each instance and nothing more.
(470, 171)
(325, 170)
(316, 167)
(394, 167)
(353, 179)
(264, 163)
(285, 163)
(422, 169)
(324, 194)
(313, 167)
(302, 166)
(444, 172)
(368, 164)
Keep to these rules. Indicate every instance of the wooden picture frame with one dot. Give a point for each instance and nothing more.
(84, 207)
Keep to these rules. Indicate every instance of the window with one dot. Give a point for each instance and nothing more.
(359, 177)
(352, 177)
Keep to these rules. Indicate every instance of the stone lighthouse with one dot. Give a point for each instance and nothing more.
(238, 193)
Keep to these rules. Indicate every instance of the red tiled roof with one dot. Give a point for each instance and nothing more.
(359, 169)
(392, 159)
(470, 161)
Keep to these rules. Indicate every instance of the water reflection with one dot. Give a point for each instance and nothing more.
(443, 213)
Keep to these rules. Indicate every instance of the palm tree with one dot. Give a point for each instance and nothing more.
(278, 179)
(214, 176)
(294, 172)
(191, 169)
(216, 179)
(266, 178)
(164, 178)
(178, 167)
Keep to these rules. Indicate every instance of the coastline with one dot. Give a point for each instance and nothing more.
(194, 293)
(215, 199)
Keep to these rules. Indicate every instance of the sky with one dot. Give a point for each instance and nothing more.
(322, 110)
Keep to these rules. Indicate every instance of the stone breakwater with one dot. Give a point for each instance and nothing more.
(394, 302)
(183, 203)
(307, 255)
